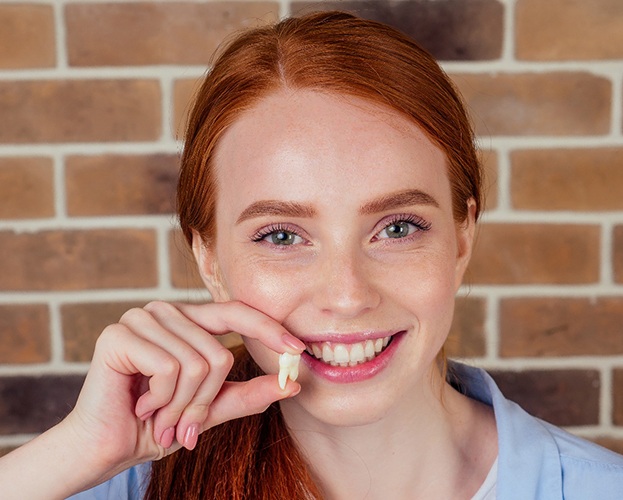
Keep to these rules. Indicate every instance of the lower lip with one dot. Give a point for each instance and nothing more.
(357, 373)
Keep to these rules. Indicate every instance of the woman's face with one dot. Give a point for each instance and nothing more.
(334, 217)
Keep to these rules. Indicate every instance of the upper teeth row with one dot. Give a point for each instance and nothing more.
(348, 354)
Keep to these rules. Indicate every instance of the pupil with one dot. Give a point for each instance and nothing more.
(398, 230)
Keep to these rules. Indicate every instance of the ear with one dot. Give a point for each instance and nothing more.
(208, 268)
(465, 234)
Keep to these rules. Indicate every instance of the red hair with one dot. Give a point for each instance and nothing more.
(332, 52)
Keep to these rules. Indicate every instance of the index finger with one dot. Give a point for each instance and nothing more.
(226, 317)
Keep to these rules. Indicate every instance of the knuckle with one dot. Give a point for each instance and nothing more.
(169, 366)
(157, 307)
(222, 359)
(196, 368)
(132, 315)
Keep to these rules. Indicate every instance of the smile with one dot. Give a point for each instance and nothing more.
(339, 354)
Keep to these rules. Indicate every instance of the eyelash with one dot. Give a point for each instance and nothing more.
(274, 228)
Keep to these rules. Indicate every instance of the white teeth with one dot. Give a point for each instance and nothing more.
(348, 354)
(288, 368)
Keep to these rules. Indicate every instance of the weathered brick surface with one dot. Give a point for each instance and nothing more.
(183, 92)
(467, 335)
(135, 184)
(443, 27)
(78, 260)
(568, 179)
(141, 33)
(535, 253)
(562, 397)
(83, 323)
(562, 30)
(184, 272)
(79, 110)
(550, 104)
(26, 187)
(617, 253)
(617, 396)
(490, 182)
(27, 36)
(552, 326)
(34, 404)
(24, 333)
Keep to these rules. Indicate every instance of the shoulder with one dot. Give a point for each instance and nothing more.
(127, 485)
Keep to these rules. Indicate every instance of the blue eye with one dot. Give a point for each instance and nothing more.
(402, 226)
(399, 229)
(276, 235)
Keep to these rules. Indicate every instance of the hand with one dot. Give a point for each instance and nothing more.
(157, 380)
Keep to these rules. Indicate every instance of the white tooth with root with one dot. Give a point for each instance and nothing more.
(288, 368)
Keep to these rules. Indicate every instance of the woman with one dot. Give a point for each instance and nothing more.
(329, 190)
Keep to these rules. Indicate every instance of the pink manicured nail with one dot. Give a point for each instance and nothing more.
(293, 342)
(146, 415)
(190, 439)
(166, 440)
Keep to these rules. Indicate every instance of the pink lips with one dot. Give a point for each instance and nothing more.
(357, 373)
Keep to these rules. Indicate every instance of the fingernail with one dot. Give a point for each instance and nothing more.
(146, 415)
(166, 440)
(190, 439)
(295, 392)
(293, 342)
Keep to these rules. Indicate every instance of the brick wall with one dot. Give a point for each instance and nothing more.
(92, 96)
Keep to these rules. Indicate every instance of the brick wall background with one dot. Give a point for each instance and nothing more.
(92, 96)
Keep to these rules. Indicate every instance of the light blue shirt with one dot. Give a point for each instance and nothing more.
(536, 460)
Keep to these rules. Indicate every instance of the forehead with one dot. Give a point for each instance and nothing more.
(297, 144)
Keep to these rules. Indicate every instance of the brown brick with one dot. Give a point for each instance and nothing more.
(6, 449)
(83, 323)
(184, 272)
(467, 335)
(77, 260)
(24, 333)
(79, 110)
(552, 104)
(611, 443)
(567, 179)
(183, 94)
(559, 30)
(34, 404)
(490, 178)
(561, 326)
(135, 184)
(617, 253)
(535, 254)
(617, 396)
(143, 33)
(27, 36)
(562, 397)
(26, 188)
(448, 29)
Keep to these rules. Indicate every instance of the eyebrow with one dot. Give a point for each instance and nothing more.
(391, 201)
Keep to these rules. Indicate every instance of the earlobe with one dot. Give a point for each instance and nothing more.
(208, 268)
(465, 241)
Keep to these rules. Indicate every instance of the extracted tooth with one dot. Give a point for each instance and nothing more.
(288, 367)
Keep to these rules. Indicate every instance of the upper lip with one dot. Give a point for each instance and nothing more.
(350, 338)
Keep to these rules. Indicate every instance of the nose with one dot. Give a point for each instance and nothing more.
(344, 284)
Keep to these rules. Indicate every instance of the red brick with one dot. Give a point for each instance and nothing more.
(534, 327)
(448, 29)
(183, 94)
(83, 323)
(567, 179)
(135, 184)
(559, 30)
(24, 333)
(535, 254)
(617, 253)
(34, 404)
(617, 396)
(551, 104)
(562, 397)
(490, 178)
(78, 260)
(143, 33)
(26, 188)
(27, 36)
(184, 273)
(79, 111)
(467, 335)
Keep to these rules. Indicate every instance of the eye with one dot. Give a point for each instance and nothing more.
(402, 226)
(276, 235)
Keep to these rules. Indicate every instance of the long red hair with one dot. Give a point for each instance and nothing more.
(335, 52)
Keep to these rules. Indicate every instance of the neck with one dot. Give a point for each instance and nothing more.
(439, 447)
